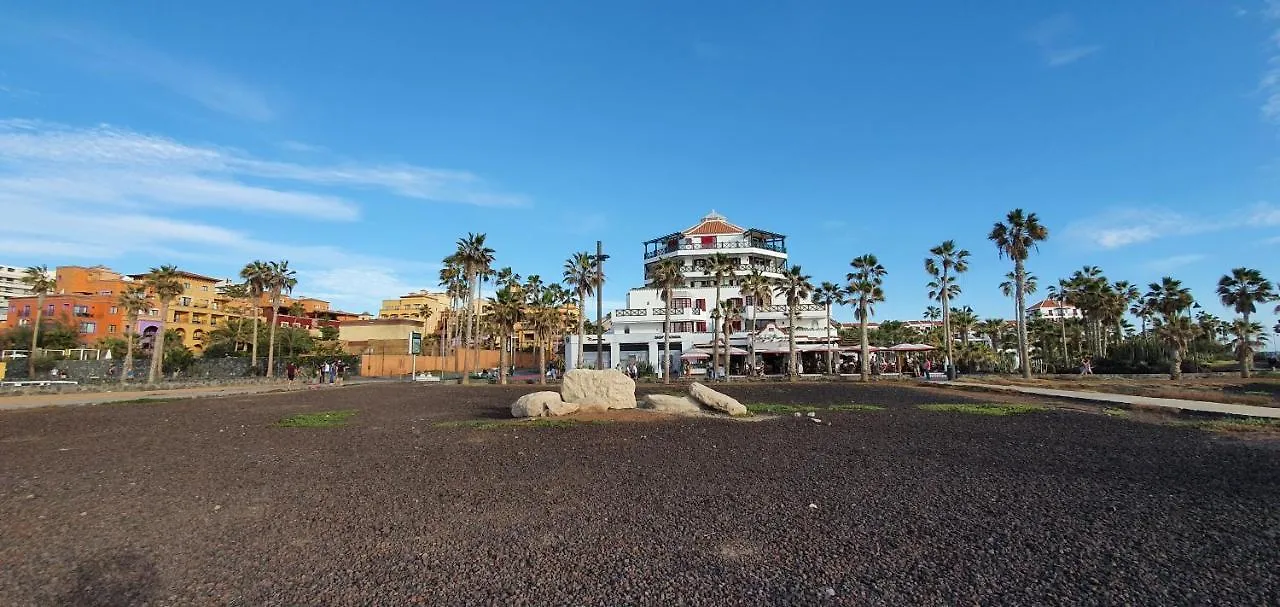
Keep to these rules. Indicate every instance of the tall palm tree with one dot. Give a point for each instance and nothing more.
(757, 288)
(1170, 299)
(1015, 238)
(580, 275)
(281, 280)
(992, 329)
(507, 310)
(829, 294)
(945, 263)
(666, 276)
(866, 288)
(38, 281)
(477, 261)
(728, 312)
(506, 278)
(1123, 295)
(1242, 290)
(1029, 285)
(1057, 293)
(132, 301)
(1248, 338)
(719, 267)
(165, 284)
(965, 320)
(256, 275)
(795, 286)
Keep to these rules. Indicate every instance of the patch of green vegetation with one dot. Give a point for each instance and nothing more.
(779, 409)
(991, 409)
(1115, 412)
(474, 424)
(140, 401)
(324, 419)
(1234, 424)
(856, 408)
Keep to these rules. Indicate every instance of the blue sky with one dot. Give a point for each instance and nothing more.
(359, 141)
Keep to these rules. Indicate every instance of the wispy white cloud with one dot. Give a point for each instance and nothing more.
(115, 54)
(1129, 226)
(298, 146)
(104, 165)
(357, 286)
(1056, 40)
(1176, 262)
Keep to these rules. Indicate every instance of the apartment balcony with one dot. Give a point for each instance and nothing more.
(697, 246)
(782, 309)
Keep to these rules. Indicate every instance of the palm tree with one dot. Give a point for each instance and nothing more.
(1015, 238)
(1248, 338)
(455, 285)
(1057, 293)
(992, 329)
(256, 275)
(719, 267)
(728, 312)
(666, 276)
(1030, 284)
(506, 310)
(506, 278)
(829, 294)
(477, 261)
(38, 281)
(866, 288)
(165, 283)
(757, 288)
(795, 287)
(580, 275)
(1242, 290)
(132, 301)
(932, 313)
(1123, 294)
(945, 264)
(280, 280)
(1170, 299)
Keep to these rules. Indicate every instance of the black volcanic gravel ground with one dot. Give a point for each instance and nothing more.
(204, 502)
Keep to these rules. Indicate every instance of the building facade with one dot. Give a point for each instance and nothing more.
(1053, 310)
(636, 333)
(11, 285)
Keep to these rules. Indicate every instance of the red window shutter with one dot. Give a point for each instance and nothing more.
(708, 240)
(701, 304)
(702, 326)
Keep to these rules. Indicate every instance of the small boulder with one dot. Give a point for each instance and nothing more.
(610, 388)
(536, 404)
(558, 407)
(671, 404)
(715, 400)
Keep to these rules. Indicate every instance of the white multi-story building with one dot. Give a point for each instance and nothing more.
(1053, 310)
(11, 285)
(636, 332)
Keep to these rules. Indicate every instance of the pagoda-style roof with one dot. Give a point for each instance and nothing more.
(713, 224)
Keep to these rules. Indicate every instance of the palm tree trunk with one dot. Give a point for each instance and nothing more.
(254, 354)
(582, 327)
(128, 350)
(271, 338)
(475, 325)
(831, 360)
(1246, 357)
(35, 338)
(1020, 275)
(502, 358)
(715, 336)
(946, 331)
(865, 352)
(157, 347)
(1066, 359)
(542, 359)
(792, 373)
(751, 336)
(1175, 368)
(666, 341)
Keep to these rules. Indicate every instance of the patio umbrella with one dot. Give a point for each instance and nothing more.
(695, 356)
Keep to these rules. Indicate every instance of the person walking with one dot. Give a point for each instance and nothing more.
(291, 371)
(324, 371)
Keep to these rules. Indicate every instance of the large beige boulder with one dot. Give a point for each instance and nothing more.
(671, 404)
(715, 400)
(538, 404)
(610, 388)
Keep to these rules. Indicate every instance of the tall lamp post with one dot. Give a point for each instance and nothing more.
(715, 322)
(599, 259)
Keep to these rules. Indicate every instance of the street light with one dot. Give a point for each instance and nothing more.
(599, 260)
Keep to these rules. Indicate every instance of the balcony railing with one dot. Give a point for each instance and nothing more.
(733, 244)
(630, 312)
(799, 308)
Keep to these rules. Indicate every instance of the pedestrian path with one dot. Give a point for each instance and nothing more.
(1127, 399)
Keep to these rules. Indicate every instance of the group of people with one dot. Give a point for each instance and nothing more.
(332, 372)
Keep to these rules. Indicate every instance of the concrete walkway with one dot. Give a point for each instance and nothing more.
(1126, 399)
(32, 401)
